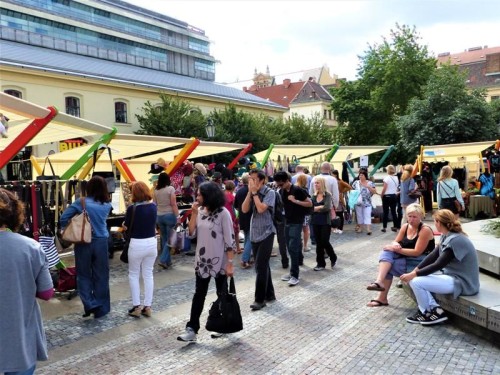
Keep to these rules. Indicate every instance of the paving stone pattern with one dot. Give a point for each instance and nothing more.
(320, 326)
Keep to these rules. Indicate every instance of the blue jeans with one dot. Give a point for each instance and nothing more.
(166, 223)
(29, 371)
(293, 233)
(92, 275)
(247, 247)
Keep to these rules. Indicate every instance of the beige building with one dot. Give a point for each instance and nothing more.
(482, 65)
(102, 60)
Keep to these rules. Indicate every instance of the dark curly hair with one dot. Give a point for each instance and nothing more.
(163, 180)
(213, 196)
(11, 210)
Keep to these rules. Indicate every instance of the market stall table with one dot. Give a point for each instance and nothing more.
(480, 203)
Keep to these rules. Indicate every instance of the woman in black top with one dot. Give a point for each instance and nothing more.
(143, 247)
(413, 242)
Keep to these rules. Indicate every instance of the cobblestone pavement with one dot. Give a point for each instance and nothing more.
(321, 326)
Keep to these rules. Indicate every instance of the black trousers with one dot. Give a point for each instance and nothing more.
(264, 289)
(390, 202)
(322, 233)
(199, 298)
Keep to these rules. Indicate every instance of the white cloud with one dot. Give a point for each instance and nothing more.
(290, 36)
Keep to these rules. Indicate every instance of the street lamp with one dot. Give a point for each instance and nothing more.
(210, 129)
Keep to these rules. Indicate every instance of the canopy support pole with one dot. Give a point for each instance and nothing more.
(240, 155)
(25, 137)
(382, 159)
(332, 152)
(182, 155)
(86, 158)
(266, 156)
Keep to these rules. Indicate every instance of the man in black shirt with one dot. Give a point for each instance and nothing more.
(297, 203)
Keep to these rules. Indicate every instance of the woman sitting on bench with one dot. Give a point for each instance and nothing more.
(456, 256)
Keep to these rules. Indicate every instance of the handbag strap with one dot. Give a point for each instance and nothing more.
(50, 165)
(113, 167)
(232, 288)
(132, 220)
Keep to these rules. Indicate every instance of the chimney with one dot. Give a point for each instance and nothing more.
(286, 83)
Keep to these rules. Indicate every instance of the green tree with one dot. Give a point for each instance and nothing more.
(390, 74)
(448, 113)
(173, 117)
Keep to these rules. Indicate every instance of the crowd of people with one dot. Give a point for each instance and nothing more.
(293, 209)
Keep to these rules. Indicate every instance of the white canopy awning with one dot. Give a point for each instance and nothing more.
(458, 152)
(21, 113)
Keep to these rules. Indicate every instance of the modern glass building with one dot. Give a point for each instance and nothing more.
(111, 30)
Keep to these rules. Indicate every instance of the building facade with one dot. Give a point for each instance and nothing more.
(102, 60)
(482, 65)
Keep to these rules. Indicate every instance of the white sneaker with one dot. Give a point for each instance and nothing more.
(293, 281)
(339, 231)
(286, 277)
(188, 336)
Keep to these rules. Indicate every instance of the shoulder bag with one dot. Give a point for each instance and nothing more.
(127, 234)
(225, 315)
(79, 229)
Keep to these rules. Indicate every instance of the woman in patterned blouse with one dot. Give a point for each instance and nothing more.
(212, 225)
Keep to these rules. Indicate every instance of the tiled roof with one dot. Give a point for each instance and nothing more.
(281, 94)
(24, 55)
(470, 56)
(312, 92)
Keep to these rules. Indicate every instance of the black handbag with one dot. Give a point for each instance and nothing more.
(126, 235)
(336, 222)
(109, 176)
(225, 315)
(42, 177)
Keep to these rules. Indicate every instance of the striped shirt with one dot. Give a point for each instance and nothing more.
(261, 225)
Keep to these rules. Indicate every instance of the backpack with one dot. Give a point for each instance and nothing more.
(277, 214)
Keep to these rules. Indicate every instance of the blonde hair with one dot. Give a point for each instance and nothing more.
(322, 186)
(445, 173)
(448, 220)
(391, 169)
(415, 207)
(407, 171)
(302, 181)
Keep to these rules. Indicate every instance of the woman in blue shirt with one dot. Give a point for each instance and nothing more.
(91, 259)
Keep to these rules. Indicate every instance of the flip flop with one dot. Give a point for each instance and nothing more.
(375, 286)
(377, 303)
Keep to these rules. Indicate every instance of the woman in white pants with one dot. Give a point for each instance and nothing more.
(364, 206)
(141, 219)
(456, 257)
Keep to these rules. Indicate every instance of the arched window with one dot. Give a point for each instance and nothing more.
(16, 93)
(73, 106)
(121, 112)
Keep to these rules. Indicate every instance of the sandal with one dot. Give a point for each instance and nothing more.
(245, 265)
(357, 229)
(376, 303)
(376, 287)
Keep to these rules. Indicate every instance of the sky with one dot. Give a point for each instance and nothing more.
(295, 35)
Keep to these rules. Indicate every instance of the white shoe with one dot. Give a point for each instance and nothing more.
(286, 277)
(339, 231)
(188, 336)
(293, 281)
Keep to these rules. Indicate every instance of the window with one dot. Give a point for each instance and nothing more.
(73, 106)
(121, 112)
(15, 93)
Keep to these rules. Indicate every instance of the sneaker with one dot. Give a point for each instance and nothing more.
(339, 231)
(416, 319)
(286, 277)
(293, 281)
(188, 336)
(135, 311)
(307, 249)
(399, 284)
(216, 335)
(146, 311)
(257, 305)
(318, 268)
(437, 315)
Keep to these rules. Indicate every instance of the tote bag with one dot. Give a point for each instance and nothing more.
(225, 315)
(79, 229)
